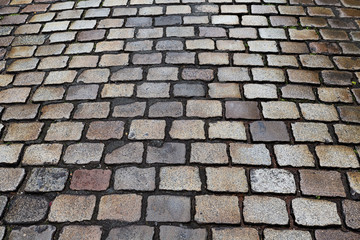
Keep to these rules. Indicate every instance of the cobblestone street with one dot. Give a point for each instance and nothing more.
(179, 120)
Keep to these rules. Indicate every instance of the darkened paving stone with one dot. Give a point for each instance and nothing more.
(168, 20)
(47, 180)
(174, 232)
(189, 90)
(312, 212)
(236, 233)
(272, 180)
(82, 92)
(10, 178)
(92, 180)
(26, 209)
(171, 153)
(354, 182)
(133, 178)
(352, 212)
(321, 183)
(40, 232)
(166, 208)
(242, 110)
(135, 232)
(350, 113)
(130, 110)
(3, 201)
(336, 235)
(269, 131)
(166, 109)
(272, 234)
(337, 78)
(73, 232)
(129, 153)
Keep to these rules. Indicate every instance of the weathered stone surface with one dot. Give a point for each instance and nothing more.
(347, 133)
(209, 153)
(129, 153)
(121, 207)
(268, 210)
(182, 178)
(133, 178)
(337, 156)
(83, 153)
(23, 131)
(227, 130)
(228, 179)
(10, 178)
(10, 153)
(335, 234)
(72, 208)
(27, 209)
(235, 233)
(242, 110)
(272, 180)
(354, 182)
(47, 180)
(92, 180)
(351, 211)
(217, 209)
(86, 232)
(40, 232)
(187, 129)
(294, 155)
(63, 131)
(42, 154)
(269, 131)
(105, 130)
(136, 232)
(174, 232)
(170, 153)
(147, 129)
(272, 234)
(3, 202)
(166, 208)
(311, 212)
(311, 132)
(250, 154)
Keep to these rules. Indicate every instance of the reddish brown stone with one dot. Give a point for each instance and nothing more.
(13, 19)
(321, 183)
(242, 110)
(105, 130)
(91, 35)
(324, 47)
(92, 180)
(350, 113)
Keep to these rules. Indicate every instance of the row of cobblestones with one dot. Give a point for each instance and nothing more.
(179, 119)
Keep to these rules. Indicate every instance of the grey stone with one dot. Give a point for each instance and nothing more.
(47, 180)
(10, 178)
(130, 110)
(269, 131)
(268, 210)
(10, 153)
(82, 92)
(133, 178)
(294, 155)
(209, 153)
(272, 180)
(129, 153)
(335, 235)
(272, 234)
(235, 233)
(189, 90)
(166, 109)
(3, 202)
(166, 208)
(2, 232)
(29, 40)
(168, 20)
(250, 154)
(137, 232)
(27, 209)
(83, 153)
(174, 232)
(41, 232)
(170, 153)
(311, 212)
(127, 74)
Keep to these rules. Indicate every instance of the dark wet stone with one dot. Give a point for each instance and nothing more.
(269, 131)
(41, 232)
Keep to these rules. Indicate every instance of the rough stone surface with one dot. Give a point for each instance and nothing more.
(131, 232)
(47, 180)
(41, 232)
(272, 180)
(133, 178)
(122, 207)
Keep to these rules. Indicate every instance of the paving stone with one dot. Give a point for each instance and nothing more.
(41, 232)
(242, 110)
(62, 131)
(167, 208)
(149, 58)
(180, 57)
(337, 77)
(203, 108)
(321, 183)
(92, 110)
(136, 232)
(62, 37)
(250, 154)
(280, 110)
(269, 131)
(310, 132)
(3, 202)
(91, 180)
(42, 154)
(174, 232)
(108, 46)
(349, 113)
(311, 212)
(272, 234)
(10, 154)
(46, 180)
(303, 76)
(224, 90)
(228, 179)
(226, 74)
(180, 178)
(86, 232)
(105, 130)
(166, 109)
(197, 74)
(253, 91)
(57, 111)
(335, 234)
(130, 110)
(26, 209)
(319, 112)
(147, 129)
(162, 73)
(5, 80)
(153, 90)
(268, 210)
(294, 155)
(354, 183)
(187, 129)
(59, 77)
(83, 153)
(217, 209)
(337, 156)
(170, 153)
(133, 178)
(23, 131)
(43, 94)
(272, 180)
(86, 61)
(23, 65)
(77, 48)
(227, 130)
(351, 211)
(334, 95)
(82, 92)
(72, 208)
(209, 153)
(347, 133)
(293, 91)
(235, 233)
(127, 74)
(21, 52)
(188, 90)
(131, 152)
(315, 61)
(10, 178)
